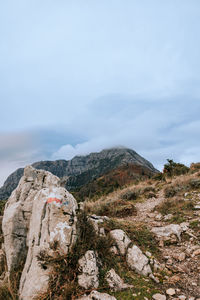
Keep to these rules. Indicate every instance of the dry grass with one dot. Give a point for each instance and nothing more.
(120, 203)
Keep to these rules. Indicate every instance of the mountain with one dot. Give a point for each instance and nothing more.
(82, 170)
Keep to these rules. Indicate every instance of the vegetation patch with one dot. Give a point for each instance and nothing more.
(137, 232)
(64, 275)
(172, 168)
(118, 208)
(178, 207)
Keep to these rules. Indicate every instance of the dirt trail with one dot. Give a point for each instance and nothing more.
(178, 257)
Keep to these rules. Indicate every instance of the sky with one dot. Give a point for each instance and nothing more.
(80, 76)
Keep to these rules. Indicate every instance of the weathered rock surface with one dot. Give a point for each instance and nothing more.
(115, 282)
(121, 239)
(159, 297)
(167, 231)
(137, 261)
(96, 222)
(38, 214)
(88, 265)
(94, 295)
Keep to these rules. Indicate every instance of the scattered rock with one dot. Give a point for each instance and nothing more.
(196, 252)
(179, 256)
(167, 231)
(171, 292)
(159, 297)
(167, 217)
(115, 282)
(94, 295)
(96, 220)
(197, 206)
(121, 239)
(174, 278)
(88, 267)
(182, 297)
(137, 261)
(158, 217)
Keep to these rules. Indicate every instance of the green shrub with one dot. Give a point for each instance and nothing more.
(170, 191)
(159, 177)
(194, 183)
(130, 195)
(174, 169)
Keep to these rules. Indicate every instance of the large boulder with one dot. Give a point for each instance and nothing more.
(137, 261)
(39, 214)
(167, 231)
(88, 266)
(121, 239)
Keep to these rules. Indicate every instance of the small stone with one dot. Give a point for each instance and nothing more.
(175, 278)
(159, 297)
(182, 297)
(168, 217)
(158, 217)
(196, 252)
(194, 284)
(170, 261)
(170, 292)
(181, 256)
(148, 254)
(197, 207)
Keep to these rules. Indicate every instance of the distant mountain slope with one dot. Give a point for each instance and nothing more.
(82, 170)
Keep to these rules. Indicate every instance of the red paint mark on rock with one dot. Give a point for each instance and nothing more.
(49, 200)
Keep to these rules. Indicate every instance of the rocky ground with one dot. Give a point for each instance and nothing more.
(179, 254)
(141, 242)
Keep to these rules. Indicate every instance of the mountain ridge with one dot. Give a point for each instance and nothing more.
(81, 170)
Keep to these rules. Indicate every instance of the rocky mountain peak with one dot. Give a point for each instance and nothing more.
(81, 170)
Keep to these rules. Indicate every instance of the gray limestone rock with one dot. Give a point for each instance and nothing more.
(38, 214)
(137, 261)
(167, 231)
(121, 239)
(115, 282)
(94, 295)
(88, 267)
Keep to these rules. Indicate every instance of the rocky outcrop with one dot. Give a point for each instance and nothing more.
(122, 241)
(115, 282)
(81, 170)
(88, 266)
(164, 232)
(39, 214)
(137, 261)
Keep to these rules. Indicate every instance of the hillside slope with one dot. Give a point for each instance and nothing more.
(81, 170)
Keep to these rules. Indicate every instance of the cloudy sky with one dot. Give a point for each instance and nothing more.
(79, 76)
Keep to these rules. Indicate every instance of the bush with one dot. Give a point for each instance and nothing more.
(118, 208)
(159, 176)
(174, 169)
(170, 191)
(195, 167)
(194, 183)
(130, 195)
